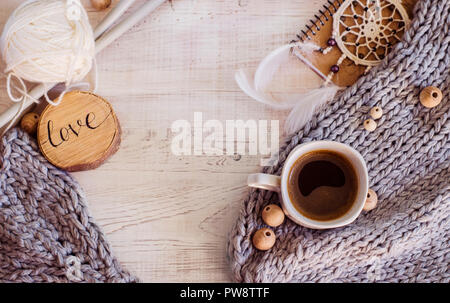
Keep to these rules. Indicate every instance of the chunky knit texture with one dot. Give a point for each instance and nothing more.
(407, 237)
(44, 222)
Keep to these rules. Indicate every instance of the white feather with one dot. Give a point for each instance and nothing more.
(256, 88)
(303, 105)
(307, 105)
(270, 65)
(243, 80)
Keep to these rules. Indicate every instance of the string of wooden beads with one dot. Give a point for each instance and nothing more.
(335, 68)
(330, 43)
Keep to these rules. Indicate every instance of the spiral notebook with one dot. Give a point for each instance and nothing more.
(319, 30)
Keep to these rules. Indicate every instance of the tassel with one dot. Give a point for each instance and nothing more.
(303, 105)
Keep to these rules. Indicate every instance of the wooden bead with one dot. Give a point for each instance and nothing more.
(430, 96)
(264, 239)
(273, 215)
(370, 125)
(100, 4)
(376, 112)
(371, 200)
(29, 123)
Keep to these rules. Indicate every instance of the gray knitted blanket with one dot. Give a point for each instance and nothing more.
(46, 233)
(407, 237)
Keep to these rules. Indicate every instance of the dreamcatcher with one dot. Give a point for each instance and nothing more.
(363, 31)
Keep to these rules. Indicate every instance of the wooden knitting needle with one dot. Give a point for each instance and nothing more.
(113, 15)
(126, 24)
(102, 42)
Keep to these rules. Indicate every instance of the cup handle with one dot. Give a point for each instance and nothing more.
(264, 181)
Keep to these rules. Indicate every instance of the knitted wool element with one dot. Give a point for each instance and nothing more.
(46, 233)
(407, 237)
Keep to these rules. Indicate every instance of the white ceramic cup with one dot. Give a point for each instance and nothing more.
(279, 183)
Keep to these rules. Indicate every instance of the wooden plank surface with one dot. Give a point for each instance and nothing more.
(167, 217)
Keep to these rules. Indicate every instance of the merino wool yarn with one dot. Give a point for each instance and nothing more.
(406, 238)
(48, 41)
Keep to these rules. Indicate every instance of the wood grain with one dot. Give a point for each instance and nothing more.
(167, 217)
(80, 133)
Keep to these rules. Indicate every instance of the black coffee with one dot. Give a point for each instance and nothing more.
(322, 185)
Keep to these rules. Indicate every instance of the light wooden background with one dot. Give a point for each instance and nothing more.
(168, 217)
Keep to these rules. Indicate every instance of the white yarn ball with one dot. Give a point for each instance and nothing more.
(48, 41)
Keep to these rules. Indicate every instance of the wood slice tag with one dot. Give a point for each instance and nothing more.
(80, 133)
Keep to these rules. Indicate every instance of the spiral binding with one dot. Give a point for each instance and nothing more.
(314, 25)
